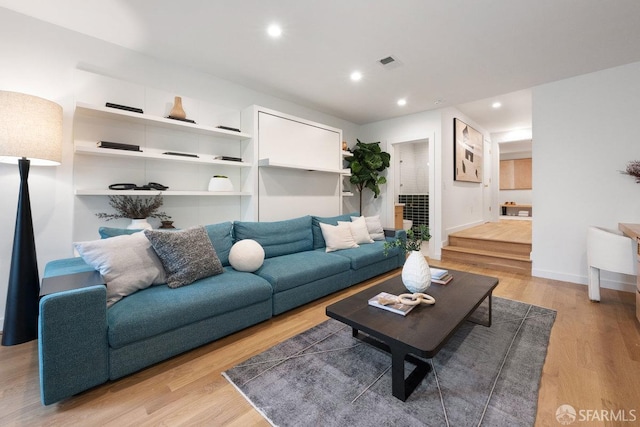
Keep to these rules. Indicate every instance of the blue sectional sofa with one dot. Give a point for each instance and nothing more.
(82, 343)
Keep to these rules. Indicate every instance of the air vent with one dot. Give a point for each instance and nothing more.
(388, 60)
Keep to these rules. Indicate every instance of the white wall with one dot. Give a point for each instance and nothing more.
(463, 202)
(42, 59)
(585, 133)
(453, 205)
(425, 125)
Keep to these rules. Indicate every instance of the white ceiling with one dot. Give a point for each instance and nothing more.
(456, 51)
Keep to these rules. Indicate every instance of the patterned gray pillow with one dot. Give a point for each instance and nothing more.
(186, 255)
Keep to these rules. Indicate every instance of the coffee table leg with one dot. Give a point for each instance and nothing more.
(401, 388)
(488, 322)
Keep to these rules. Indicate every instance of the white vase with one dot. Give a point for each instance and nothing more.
(416, 274)
(139, 224)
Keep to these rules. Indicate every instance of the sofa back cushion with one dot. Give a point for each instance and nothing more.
(318, 239)
(277, 237)
(222, 239)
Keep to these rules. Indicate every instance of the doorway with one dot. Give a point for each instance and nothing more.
(411, 183)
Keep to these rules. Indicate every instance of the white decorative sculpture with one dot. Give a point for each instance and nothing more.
(246, 255)
(416, 274)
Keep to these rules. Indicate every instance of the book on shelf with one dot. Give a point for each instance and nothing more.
(443, 280)
(397, 307)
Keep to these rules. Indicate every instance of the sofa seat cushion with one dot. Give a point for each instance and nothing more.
(159, 309)
(366, 255)
(293, 270)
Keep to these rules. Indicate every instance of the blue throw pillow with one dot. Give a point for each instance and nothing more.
(318, 239)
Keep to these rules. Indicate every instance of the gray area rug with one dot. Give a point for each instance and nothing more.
(483, 376)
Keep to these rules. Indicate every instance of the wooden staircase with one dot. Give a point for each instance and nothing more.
(498, 246)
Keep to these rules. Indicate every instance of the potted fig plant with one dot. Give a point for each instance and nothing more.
(367, 162)
(137, 209)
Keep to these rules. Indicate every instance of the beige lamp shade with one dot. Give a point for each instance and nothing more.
(30, 127)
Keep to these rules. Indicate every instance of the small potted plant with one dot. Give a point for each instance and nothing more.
(412, 243)
(416, 274)
(137, 209)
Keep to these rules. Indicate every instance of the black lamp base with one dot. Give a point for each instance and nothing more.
(21, 312)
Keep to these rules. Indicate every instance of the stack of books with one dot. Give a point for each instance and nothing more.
(440, 276)
(389, 302)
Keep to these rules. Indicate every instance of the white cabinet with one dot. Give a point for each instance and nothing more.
(299, 169)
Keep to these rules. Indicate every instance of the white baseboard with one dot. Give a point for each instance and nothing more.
(583, 280)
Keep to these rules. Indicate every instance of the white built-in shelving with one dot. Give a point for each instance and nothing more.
(146, 119)
(82, 147)
(89, 148)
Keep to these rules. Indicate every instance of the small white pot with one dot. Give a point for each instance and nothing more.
(220, 184)
(416, 274)
(139, 224)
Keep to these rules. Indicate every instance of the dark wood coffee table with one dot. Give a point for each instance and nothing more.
(423, 331)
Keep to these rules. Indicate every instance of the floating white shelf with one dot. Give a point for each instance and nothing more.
(86, 148)
(91, 192)
(268, 163)
(146, 119)
(347, 194)
(346, 153)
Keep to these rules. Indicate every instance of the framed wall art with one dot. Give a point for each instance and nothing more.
(467, 152)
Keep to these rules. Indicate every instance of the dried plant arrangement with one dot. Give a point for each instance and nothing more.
(633, 169)
(135, 207)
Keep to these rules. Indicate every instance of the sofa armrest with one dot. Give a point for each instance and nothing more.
(73, 350)
(395, 234)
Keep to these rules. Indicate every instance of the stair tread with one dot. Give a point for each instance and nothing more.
(485, 239)
(488, 253)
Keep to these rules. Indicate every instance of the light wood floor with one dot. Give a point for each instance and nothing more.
(593, 362)
(505, 230)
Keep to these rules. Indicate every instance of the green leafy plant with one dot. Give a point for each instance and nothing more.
(135, 207)
(413, 242)
(366, 163)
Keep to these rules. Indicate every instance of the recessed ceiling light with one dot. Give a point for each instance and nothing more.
(496, 104)
(274, 30)
(402, 102)
(356, 75)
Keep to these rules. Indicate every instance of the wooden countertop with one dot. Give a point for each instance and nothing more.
(631, 230)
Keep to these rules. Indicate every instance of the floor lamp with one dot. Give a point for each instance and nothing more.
(30, 133)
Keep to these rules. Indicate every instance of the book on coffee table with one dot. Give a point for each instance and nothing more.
(397, 307)
(442, 280)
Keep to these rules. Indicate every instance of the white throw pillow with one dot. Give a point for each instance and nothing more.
(337, 237)
(374, 226)
(359, 230)
(127, 263)
(246, 255)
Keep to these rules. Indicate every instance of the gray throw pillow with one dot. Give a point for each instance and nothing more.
(127, 263)
(187, 255)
